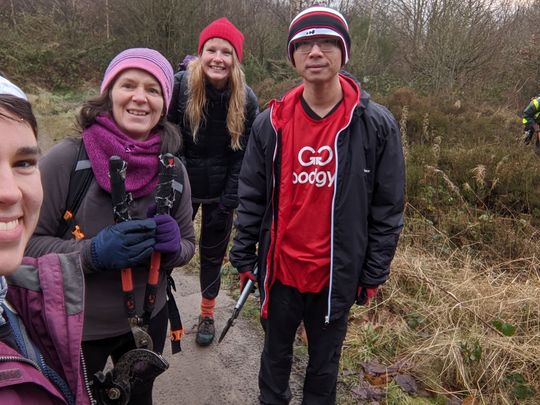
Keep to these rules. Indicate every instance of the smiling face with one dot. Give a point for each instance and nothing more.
(21, 193)
(318, 61)
(137, 103)
(217, 61)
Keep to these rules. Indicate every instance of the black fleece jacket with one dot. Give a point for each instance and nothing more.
(212, 165)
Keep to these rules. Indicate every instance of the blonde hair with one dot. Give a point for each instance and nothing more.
(194, 115)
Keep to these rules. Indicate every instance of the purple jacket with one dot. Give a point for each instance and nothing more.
(48, 295)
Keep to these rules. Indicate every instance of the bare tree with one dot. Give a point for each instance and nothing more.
(448, 42)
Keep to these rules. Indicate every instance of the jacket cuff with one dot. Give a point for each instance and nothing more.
(245, 269)
(87, 261)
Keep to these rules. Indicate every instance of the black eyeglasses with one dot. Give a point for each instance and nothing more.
(325, 45)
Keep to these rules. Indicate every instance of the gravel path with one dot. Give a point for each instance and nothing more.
(224, 373)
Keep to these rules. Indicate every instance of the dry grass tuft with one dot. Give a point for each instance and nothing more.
(439, 314)
(479, 174)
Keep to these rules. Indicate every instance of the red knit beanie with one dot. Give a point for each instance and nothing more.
(224, 29)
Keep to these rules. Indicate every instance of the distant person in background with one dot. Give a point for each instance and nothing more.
(127, 119)
(321, 207)
(41, 304)
(214, 109)
(531, 120)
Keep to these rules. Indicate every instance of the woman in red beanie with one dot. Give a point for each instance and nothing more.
(214, 109)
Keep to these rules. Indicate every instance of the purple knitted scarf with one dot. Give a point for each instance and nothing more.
(104, 139)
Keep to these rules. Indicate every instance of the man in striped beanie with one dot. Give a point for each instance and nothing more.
(321, 207)
(320, 22)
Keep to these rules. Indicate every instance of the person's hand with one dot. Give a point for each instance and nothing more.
(246, 273)
(527, 137)
(219, 218)
(365, 295)
(167, 234)
(125, 244)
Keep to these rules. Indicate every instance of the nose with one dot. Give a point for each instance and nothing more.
(219, 55)
(315, 49)
(10, 192)
(139, 95)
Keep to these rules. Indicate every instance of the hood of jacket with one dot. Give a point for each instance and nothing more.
(283, 109)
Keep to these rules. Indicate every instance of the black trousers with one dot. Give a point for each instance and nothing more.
(96, 353)
(287, 307)
(212, 248)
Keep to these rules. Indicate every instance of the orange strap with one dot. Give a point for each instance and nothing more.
(176, 335)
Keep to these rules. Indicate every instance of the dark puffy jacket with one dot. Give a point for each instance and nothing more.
(48, 295)
(211, 164)
(368, 203)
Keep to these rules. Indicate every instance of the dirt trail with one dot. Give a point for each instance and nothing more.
(220, 374)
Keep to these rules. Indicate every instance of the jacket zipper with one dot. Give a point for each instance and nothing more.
(86, 383)
(269, 263)
(332, 219)
(20, 360)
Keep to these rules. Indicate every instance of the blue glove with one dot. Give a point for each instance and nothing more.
(122, 245)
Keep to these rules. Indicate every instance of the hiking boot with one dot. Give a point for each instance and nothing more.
(205, 331)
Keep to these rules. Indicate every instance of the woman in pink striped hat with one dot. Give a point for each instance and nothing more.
(127, 119)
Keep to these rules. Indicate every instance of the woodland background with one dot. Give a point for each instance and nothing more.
(459, 320)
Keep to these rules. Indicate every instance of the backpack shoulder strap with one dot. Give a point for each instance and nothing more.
(178, 186)
(177, 330)
(176, 113)
(79, 182)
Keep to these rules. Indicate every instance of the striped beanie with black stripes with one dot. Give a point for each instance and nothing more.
(316, 22)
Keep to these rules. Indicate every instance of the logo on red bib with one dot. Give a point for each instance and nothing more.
(308, 156)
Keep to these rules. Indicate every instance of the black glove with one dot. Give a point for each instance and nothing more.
(219, 218)
(125, 244)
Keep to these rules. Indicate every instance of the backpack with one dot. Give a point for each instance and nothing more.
(79, 182)
(185, 62)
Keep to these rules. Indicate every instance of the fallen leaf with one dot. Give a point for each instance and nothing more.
(377, 380)
(366, 392)
(470, 401)
(373, 368)
(407, 383)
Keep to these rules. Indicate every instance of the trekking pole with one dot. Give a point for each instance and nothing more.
(164, 203)
(239, 304)
(120, 202)
(165, 196)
